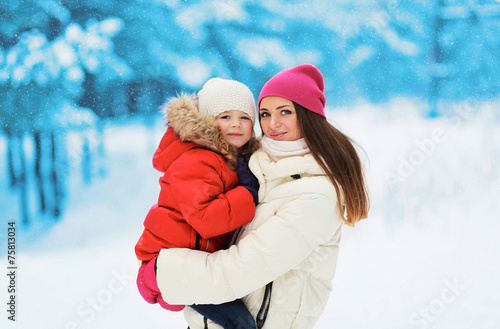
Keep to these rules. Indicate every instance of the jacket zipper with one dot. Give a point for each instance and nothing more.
(197, 245)
(264, 309)
(198, 240)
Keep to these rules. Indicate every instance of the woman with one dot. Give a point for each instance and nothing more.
(311, 182)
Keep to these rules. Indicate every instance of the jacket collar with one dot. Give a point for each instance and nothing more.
(304, 165)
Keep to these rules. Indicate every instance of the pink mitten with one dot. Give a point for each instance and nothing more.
(146, 282)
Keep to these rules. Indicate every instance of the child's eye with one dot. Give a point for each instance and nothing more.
(245, 118)
(224, 117)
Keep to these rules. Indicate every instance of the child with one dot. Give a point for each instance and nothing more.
(200, 203)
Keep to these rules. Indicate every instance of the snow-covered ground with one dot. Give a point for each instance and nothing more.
(427, 257)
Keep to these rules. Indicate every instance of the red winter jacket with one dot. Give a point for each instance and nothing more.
(200, 203)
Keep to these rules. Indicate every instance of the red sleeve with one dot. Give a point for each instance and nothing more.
(199, 192)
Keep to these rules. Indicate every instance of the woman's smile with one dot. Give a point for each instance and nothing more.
(277, 135)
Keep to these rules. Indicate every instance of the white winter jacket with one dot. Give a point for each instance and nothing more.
(293, 241)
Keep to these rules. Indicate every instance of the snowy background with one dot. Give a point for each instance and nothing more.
(415, 83)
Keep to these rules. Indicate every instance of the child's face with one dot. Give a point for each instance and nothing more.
(235, 126)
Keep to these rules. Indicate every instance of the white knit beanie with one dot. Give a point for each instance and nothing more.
(220, 95)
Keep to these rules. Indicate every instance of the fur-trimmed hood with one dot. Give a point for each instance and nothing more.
(190, 125)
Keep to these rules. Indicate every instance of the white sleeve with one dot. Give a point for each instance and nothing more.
(187, 276)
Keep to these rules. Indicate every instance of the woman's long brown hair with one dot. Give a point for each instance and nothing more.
(336, 154)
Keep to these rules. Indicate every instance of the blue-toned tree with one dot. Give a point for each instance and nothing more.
(41, 80)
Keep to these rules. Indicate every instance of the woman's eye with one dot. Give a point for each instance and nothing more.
(264, 114)
(286, 112)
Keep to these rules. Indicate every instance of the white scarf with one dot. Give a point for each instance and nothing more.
(282, 149)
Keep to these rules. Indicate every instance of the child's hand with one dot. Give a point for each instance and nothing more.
(247, 179)
(146, 282)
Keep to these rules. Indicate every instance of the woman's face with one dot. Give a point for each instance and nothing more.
(278, 119)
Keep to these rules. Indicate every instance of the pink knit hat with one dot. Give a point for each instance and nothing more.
(302, 84)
